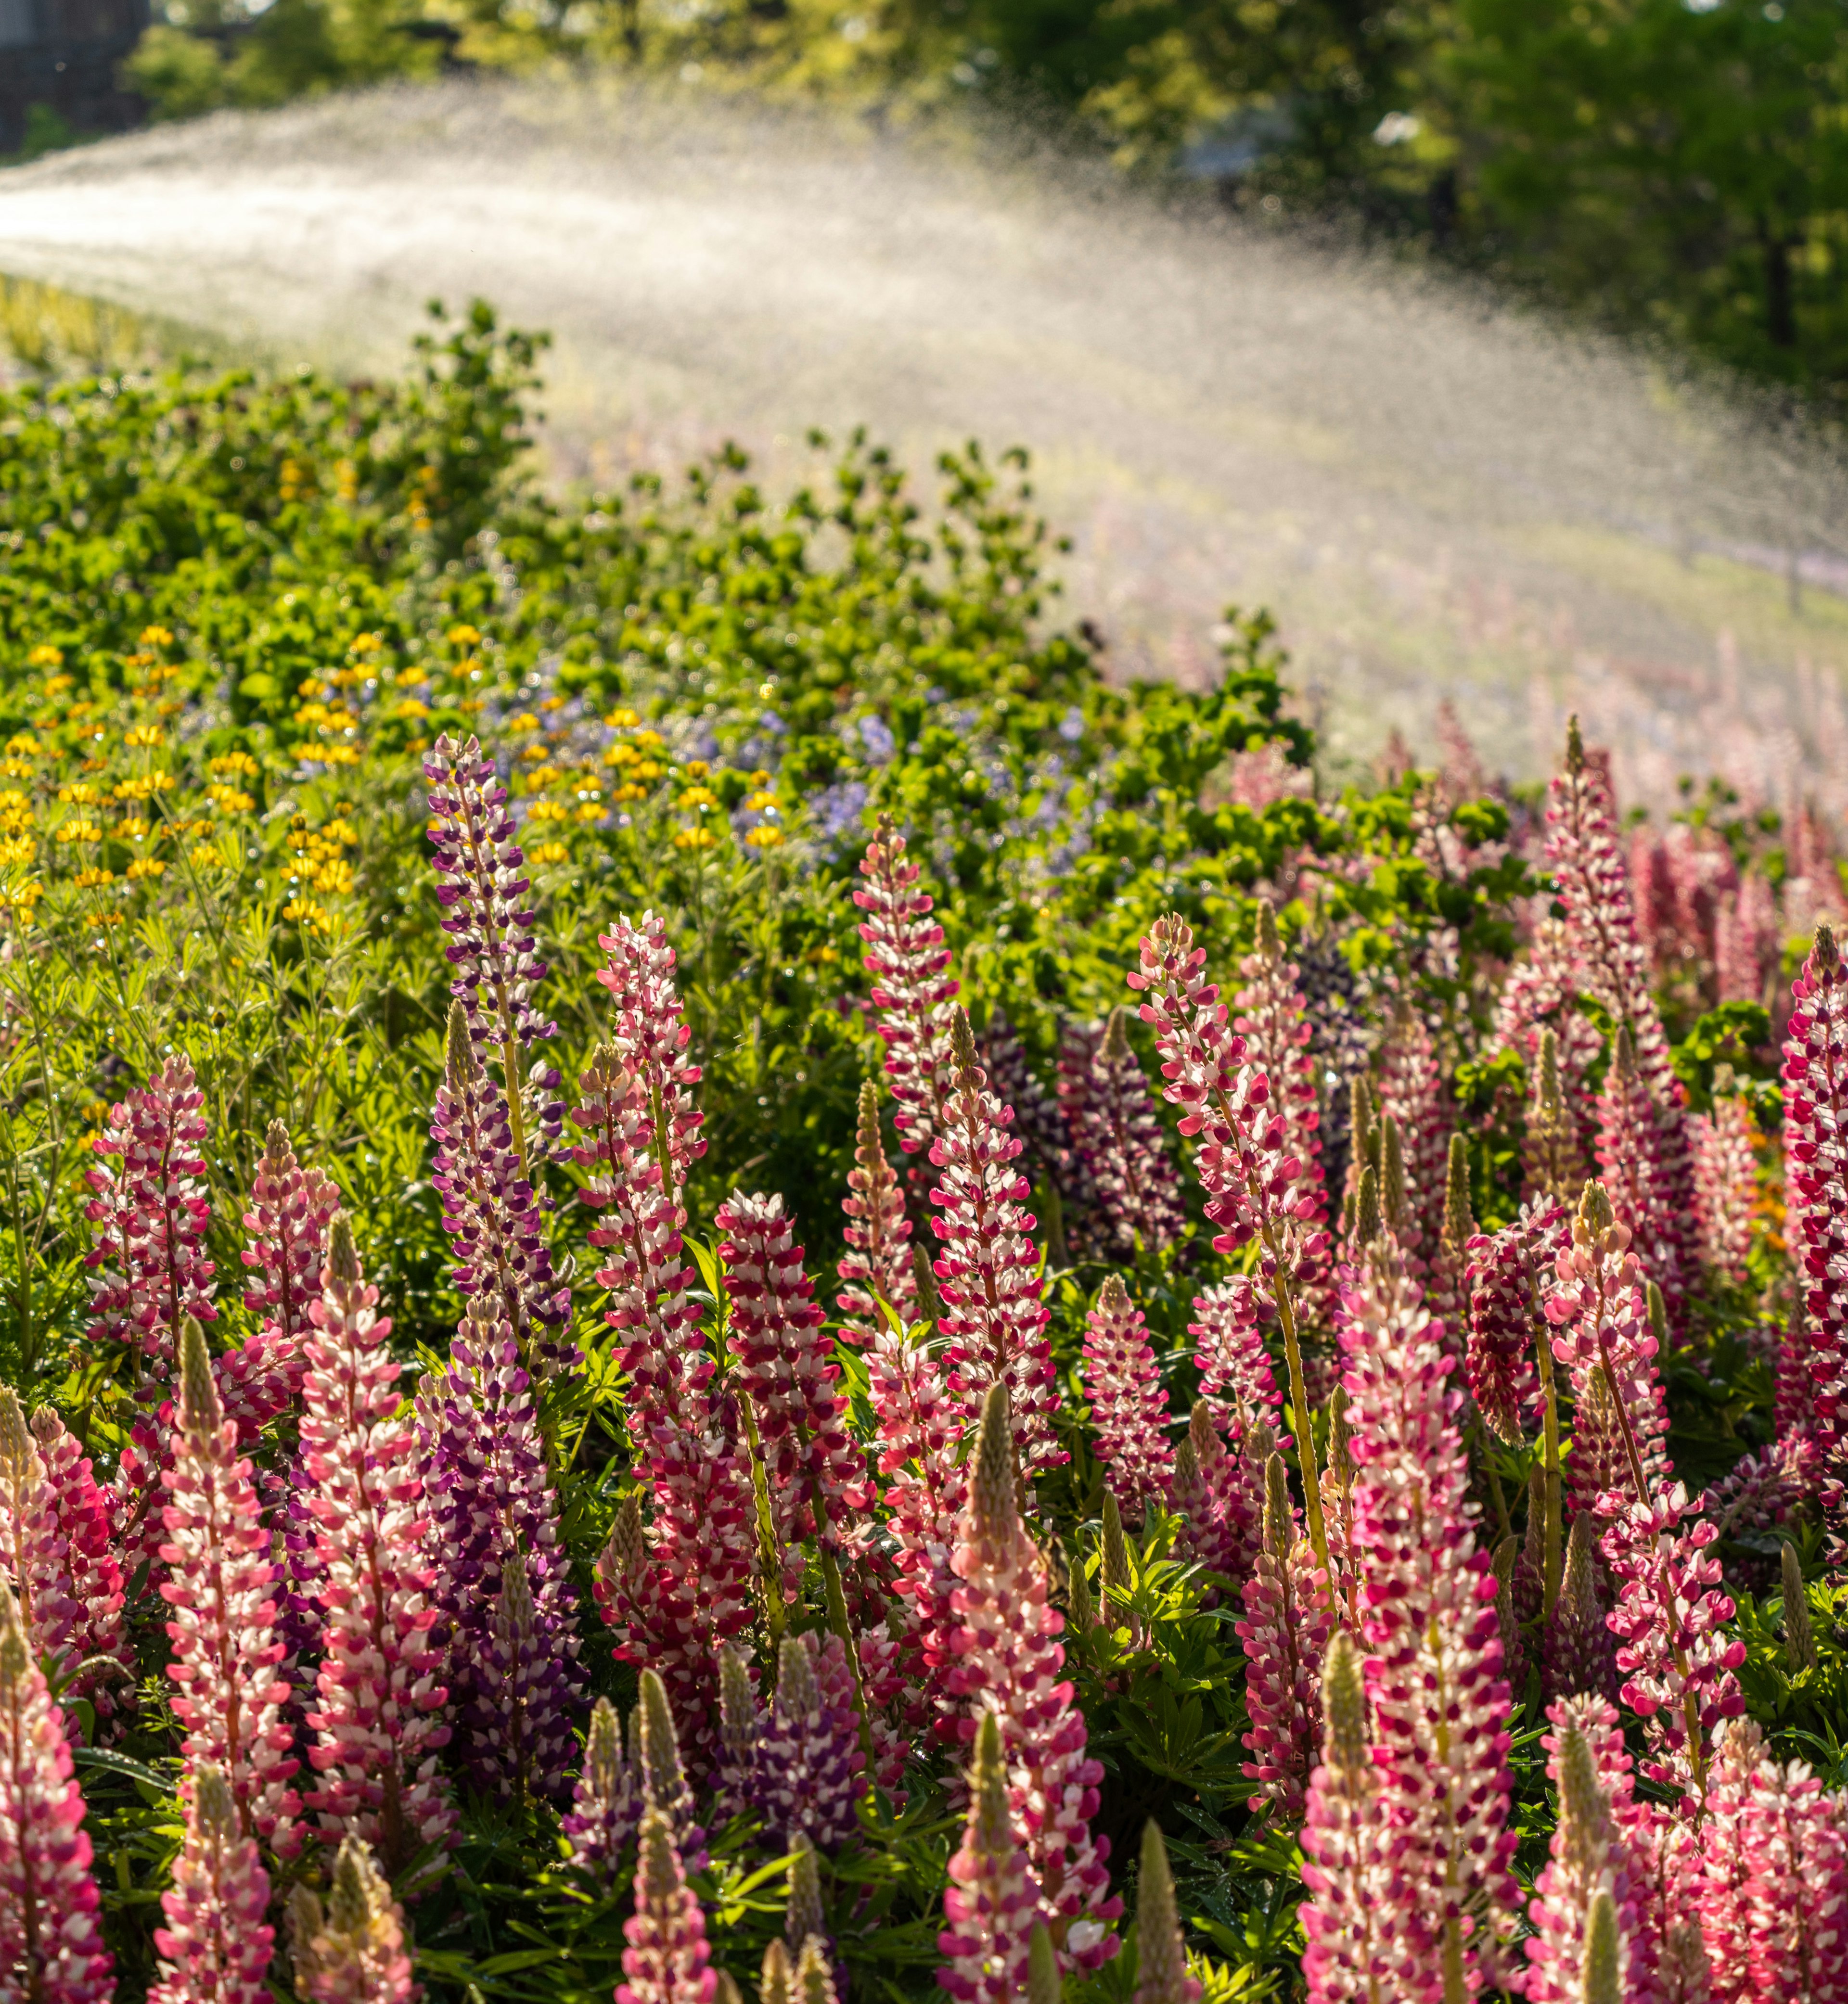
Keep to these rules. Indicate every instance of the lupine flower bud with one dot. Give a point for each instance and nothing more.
(216, 1946)
(1449, 1286)
(1411, 1098)
(741, 1730)
(1579, 1653)
(877, 1266)
(805, 1919)
(1124, 1168)
(1603, 1982)
(1289, 1617)
(1044, 1984)
(1799, 1644)
(1129, 1404)
(355, 1952)
(1350, 1923)
(664, 1779)
(814, 1978)
(991, 1903)
(1161, 1974)
(912, 987)
(50, 1936)
(779, 1977)
(1554, 1166)
(1114, 1577)
(607, 1805)
(667, 1960)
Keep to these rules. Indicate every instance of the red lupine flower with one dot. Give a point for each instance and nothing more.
(912, 987)
(877, 1266)
(1008, 1661)
(1355, 1917)
(1125, 1169)
(1507, 1277)
(51, 1933)
(1411, 1096)
(1435, 1675)
(1726, 1181)
(90, 1572)
(816, 1471)
(482, 889)
(216, 1946)
(32, 1558)
(991, 1903)
(221, 1588)
(378, 1728)
(1288, 1618)
(1629, 1156)
(667, 1959)
(1236, 1379)
(355, 1952)
(987, 1278)
(1129, 1404)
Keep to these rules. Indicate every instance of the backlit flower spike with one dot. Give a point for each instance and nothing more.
(378, 1727)
(1600, 1320)
(1009, 1663)
(1288, 1619)
(51, 1932)
(1356, 1916)
(804, 1918)
(290, 1210)
(778, 1983)
(912, 986)
(819, 1483)
(1796, 1942)
(33, 1542)
(1725, 1179)
(494, 1221)
(1249, 1177)
(1434, 1672)
(1272, 1017)
(483, 888)
(1579, 1653)
(1129, 1404)
(1411, 1096)
(810, 1772)
(221, 1593)
(668, 1960)
(992, 1903)
(1813, 1370)
(1219, 1492)
(1552, 1161)
(1629, 1158)
(1338, 1477)
(1044, 1984)
(664, 1785)
(92, 1577)
(741, 1733)
(1449, 1284)
(1800, 1641)
(1610, 963)
(1588, 1856)
(814, 1975)
(1161, 1974)
(354, 1952)
(987, 1274)
(1237, 1378)
(1507, 1275)
(216, 1945)
(1741, 1787)
(1128, 1171)
(877, 1265)
(606, 1805)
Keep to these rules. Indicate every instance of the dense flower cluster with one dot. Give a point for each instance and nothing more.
(1129, 1405)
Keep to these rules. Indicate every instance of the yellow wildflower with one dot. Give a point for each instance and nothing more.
(553, 702)
(525, 721)
(15, 768)
(765, 838)
(698, 796)
(156, 636)
(621, 754)
(93, 880)
(550, 852)
(338, 754)
(590, 811)
(409, 710)
(145, 866)
(43, 657)
(695, 838)
(81, 830)
(761, 777)
(23, 747)
(228, 800)
(16, 849)
(649, 738)
(622, 719)
(465, 636)
(366, 643)
(143, 737)
(630, 793)
(22, 897)
(55, 686)
(697, 769)
(342, 832)
(235, 764)
(305, 912)
(205, 857)
(134, 829)
(336, 877)
(761, 802)
(648, 769)
(549, 811)
(78, 795)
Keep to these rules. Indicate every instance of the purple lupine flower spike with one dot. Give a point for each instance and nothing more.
(810, 1769)
(606, 1805)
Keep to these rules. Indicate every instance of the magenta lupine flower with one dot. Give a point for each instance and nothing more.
(482, 889)
(512, 1668)
(1237, 1378)
(1273, 1018)
(1219, 1494)
(1129, 1404)
(1161, 1974)
(378, 1728)
(877, 1265)
(1508, 1276)
(993, 1318)
(32, 1541)
(913, 989)
(1600, 1320)
(1008, 1661)
(667, 1959)
(291, 1209)
(50, 1932)
(991, 1903)
(1434, 1675)
(1726, 1183)
(816, 1471)
(1579, 1653)
(1588, 1854)
(1411, 1096)
(1537, 1008)
(606, 1805)
(1126, 1170)
(1611, 965)
(490, 1212)
(92, 1576)
(221, 1589)
(216, 1946)
(810, 1772)
(1677, 1666)
(354, 1953)
(1629, 1157)
(1288, 1618)
(1351, 1920)
(1813, 1376)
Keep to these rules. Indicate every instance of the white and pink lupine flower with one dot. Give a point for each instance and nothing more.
(668, 1960)
(216, 1945)
(355, 1951)
(991, 1904)
(877, 1266)
(1129, 1404)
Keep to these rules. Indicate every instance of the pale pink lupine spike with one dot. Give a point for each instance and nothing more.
(1588, 1852)
(877, 1266)
(1411, 1096)
(992, 1902)
(33, 1554)
(1007, 1661)
(354, 1952)
(1434, 1674)
(1610, 964)
(668, 1960)
(379, 1726)
(1129, 1404)
(1726, 1177)
(92, 1576)
(1351, 1920)
(1629, 1159)
(1237, 1379)
(913, 989)
(1288, 1618)
(216, 1946)
(51, 1932)
(993, 1316)
(221, 1593)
